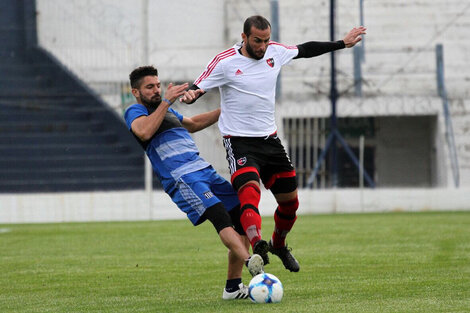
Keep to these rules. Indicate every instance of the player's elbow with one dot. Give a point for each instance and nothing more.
(192, 128)
(144, 137)
(142, 134)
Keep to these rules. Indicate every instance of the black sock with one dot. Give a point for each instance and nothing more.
(232, 284)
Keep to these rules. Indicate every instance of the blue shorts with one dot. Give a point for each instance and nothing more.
(197, 191)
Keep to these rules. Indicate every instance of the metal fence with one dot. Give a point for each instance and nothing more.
(95, 40)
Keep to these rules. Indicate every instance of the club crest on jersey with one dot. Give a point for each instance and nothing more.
(270, 62)
(241, 161)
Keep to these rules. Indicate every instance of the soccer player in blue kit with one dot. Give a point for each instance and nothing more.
(191, 182)
(246, 76)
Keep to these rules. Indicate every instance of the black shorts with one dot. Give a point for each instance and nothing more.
(266, 154)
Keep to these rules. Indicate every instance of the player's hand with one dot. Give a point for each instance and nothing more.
(354, 36)
(174, 91)
(190, 96)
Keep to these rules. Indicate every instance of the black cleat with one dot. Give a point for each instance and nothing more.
(286, 257)
(261, 247)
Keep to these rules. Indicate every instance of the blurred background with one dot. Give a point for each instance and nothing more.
(401, 101)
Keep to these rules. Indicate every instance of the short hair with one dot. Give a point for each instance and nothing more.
(137, 74)
(257, 21)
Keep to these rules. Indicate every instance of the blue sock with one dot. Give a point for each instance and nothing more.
(232, 284)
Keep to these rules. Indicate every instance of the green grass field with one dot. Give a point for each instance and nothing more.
(401, 262)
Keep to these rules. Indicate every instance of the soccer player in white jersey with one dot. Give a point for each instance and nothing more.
(246, 76)
(189, 180)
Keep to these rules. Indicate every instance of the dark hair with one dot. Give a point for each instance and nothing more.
(257, 21)
(136, 75)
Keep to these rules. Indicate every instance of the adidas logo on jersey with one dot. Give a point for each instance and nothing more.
(238, 72)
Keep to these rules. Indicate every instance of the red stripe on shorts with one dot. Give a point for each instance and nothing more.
(273, 178)
(242, 171)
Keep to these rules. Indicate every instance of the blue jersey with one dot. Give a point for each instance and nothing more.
(171, 150)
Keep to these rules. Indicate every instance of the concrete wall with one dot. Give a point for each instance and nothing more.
(134, 205)
(104, 40)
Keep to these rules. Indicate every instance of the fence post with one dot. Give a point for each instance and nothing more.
(449, 132)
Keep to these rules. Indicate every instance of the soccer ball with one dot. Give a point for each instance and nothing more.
(265, 288)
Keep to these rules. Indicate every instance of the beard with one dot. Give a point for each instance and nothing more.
(252, 53)
(152, 103)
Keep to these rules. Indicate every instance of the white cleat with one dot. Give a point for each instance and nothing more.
(255, 265)
(241, 293)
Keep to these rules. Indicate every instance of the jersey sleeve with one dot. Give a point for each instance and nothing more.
(133, 112)
(315, 48)
(178, 115)
(286, 53)
(213, 76)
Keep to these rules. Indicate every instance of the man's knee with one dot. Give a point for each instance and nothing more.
(218, 216)
(284, 185)
(244, 176)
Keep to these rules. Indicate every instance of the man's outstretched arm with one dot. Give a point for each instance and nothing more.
(315, 48)
(201, 121)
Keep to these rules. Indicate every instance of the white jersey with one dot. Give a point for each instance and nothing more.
(247, 88)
